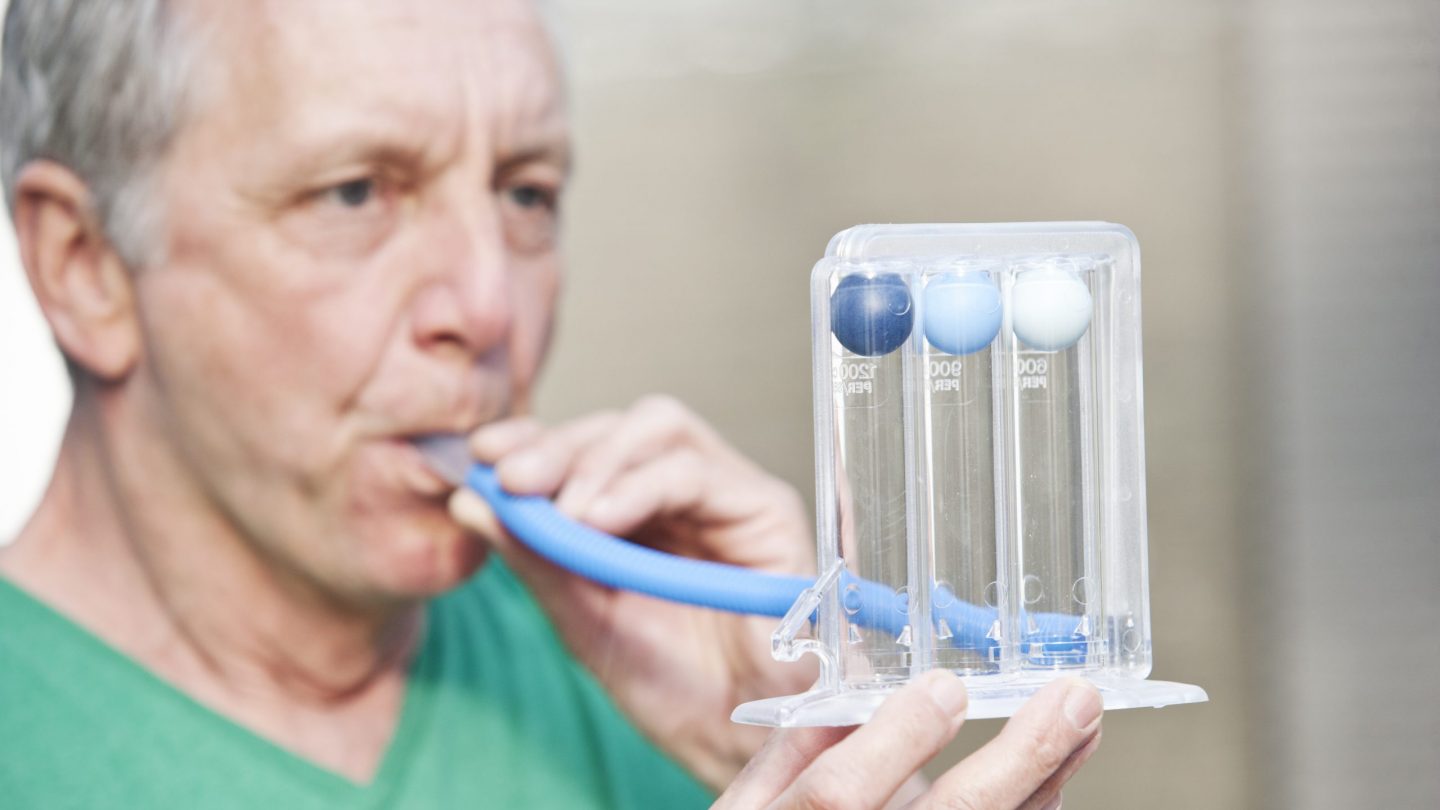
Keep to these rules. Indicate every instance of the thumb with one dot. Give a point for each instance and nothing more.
(558, 590)
(472, 512)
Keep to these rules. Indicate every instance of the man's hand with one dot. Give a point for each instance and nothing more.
(1040, 748)
(656, 474)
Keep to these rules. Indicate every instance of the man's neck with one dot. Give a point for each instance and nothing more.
(118, 545)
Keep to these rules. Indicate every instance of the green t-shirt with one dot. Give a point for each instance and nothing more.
(496, 714)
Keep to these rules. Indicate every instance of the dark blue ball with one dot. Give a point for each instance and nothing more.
(871, 315)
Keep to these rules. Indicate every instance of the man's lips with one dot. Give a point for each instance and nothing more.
(413, 472)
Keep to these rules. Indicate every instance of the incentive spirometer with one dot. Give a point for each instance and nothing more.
(980, 478)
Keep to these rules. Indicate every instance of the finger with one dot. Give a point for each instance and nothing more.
(684, 484)
(551, 584)
(471, 511)
(667, 485)
(1048, 796)
(541, 466)
(784, 756)
(494, 441)
(911, 791)
(1052, 804)
(649, 428)
(905, 733)
(1032, 747)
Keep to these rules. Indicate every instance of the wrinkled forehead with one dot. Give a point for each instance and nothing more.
(430, 66)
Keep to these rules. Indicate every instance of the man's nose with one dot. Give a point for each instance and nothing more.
(466, 302)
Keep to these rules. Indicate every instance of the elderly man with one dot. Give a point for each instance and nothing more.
(275, 242)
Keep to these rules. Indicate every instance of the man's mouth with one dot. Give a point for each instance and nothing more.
(415, 473)
(447, 455)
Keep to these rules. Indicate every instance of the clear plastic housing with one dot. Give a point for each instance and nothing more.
(870, 399)
(957, 450)
(979, 469)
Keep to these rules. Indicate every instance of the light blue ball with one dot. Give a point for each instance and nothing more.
(962, 312)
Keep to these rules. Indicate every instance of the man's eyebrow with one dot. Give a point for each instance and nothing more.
(556, 151)
(319, 145)
(322, 160)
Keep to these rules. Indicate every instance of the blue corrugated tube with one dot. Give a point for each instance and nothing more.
(619, 564)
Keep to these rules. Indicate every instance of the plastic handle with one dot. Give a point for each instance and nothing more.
(619, 564)
(615, 563)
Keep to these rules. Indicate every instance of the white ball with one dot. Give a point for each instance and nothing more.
(1050, 308)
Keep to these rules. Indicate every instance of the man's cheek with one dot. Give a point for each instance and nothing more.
(535, 308)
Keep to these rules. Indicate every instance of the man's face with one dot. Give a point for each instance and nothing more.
(361, 248)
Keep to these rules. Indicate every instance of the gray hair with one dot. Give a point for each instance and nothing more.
(98, 86)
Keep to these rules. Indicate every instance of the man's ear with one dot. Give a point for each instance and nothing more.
(82, 286)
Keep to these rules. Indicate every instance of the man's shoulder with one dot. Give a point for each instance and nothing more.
(81, 725)
(38, 648)
(505, 670)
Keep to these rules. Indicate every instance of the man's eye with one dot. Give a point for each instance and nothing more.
(355, 193)
(532, 197)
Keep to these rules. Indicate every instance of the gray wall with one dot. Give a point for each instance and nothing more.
(1341, 118)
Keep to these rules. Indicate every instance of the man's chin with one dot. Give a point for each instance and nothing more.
(423, 564)
(411, 548)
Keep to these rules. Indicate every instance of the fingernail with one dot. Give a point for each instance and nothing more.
(1083, 706)
(1053, 804)
(577, 497)
(948, 692)
(602, 510)
(472, 511)
(521, 469)
(482, 441)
